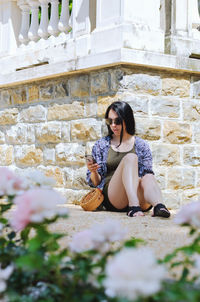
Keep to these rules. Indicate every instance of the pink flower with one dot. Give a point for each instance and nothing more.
(189, 214)
(81, 242)
(10, 184)
(35, 205)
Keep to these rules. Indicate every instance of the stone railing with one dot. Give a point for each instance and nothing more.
(33, 30)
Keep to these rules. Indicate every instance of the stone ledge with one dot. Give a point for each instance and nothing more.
(102, 60)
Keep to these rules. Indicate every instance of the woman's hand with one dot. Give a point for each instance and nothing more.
(92, 167)
(95, 177)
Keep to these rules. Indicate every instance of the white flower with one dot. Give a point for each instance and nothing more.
(38, 178)
(81, 242)
(189, 214)
(133, 273)
(110, 230)
(10, 184)
(4, 275)
(98, 237)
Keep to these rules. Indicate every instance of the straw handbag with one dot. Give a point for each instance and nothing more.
(92, 200)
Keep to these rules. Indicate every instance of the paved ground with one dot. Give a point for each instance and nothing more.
(162, 235)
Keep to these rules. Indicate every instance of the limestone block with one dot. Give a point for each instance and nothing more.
(148, 129)
(161, 176)
(28, 156)
(19, 96)
(138, 104)
(141, 83)
(20, 134)
(49, 133)
(33, 94)
(49, 155)
(8, 116)
(74, 196)
(91, 107)
(88, 147)
(84, 130)
(181, 178)
(46, 92)
(65, 132)
(70, 154)
(2, 137)
(79, 178)
(195, 90)
(99, 83)
(172, 199)
(33, 114)
(196, 132)
(79, 86)
(6, 155)
(165, 155)
(165, 107)
(68, 176)
(191, 155)
(61, 90)
(189, 196)
(5, 99)
(116, 76)
(177, 133)
(198, 178)
(176, 87)
(56, 173)
(191, 110)
(75, 178)
(103, 102)
(66, 111)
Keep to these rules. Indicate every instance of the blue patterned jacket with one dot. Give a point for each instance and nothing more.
(100, 154)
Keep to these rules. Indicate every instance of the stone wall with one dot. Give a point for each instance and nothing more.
(50, 124)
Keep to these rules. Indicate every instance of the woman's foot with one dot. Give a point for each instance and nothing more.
(134, 211)
(160, 210)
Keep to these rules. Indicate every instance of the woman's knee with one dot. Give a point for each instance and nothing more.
(147, 179)
(130, 158)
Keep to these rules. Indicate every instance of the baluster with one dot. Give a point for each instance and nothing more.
(53, 23)
(42, 31)
(33, 31)
(63, 24)
(25, 11)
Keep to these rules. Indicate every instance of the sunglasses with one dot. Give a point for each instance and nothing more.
(110, 121)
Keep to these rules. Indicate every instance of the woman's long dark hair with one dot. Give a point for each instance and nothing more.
(125, 113)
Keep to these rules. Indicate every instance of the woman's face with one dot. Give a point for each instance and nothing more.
(116, 129)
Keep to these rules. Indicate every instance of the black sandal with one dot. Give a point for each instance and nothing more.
(132, 210)
(161, 211)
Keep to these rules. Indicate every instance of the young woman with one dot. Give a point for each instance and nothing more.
(122, 167)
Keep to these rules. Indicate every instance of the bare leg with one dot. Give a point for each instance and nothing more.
(151, 191)
(123, 187)
(152, 195)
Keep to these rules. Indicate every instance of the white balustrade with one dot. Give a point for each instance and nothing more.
(33, 31)
(43, 28)
(195, 14)
(25, 11)
(63, 24)
(54, 19)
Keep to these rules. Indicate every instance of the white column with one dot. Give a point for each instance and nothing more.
(133, 24)
(33, 31)
(25, 10)
(63, 24)
(10, 22)
(80, 18)
(54, 19)
(42, 31)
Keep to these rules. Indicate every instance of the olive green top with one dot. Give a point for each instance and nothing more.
(113, 160)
